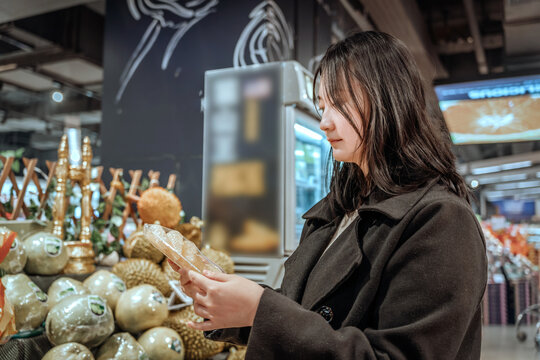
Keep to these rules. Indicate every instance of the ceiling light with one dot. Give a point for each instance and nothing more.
(486, 170)
(497, 179)
(57, 96)
(516, 165)
(474, 184)
(495, 194)
(514, 177)
(502, 167)
(518, 185)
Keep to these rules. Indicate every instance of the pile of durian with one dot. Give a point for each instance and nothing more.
(118, 314)
(146, 265)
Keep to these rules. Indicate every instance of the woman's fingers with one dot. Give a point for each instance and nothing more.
(201, 311)
(185, 281)
(180, 270)
(204, 326)
(201, 299)
(173, 265)
(184, 278)
(200, 281)
(216, 275)
(190, 290)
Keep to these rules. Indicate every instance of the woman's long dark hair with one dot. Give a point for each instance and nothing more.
(402, 147)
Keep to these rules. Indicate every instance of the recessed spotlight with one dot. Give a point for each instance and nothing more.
(57, 96)
(474, 184)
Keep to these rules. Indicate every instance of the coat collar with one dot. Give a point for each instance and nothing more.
(302, 261)
(343, 258)
(394, 207)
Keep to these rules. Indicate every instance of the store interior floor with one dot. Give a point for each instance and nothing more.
(500, 343)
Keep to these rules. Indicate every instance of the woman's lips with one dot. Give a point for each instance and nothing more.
(333, 141)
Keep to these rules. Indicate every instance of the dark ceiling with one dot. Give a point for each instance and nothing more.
(441, 34)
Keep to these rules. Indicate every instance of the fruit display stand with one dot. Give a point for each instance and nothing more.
(134, 272)
(57, 289)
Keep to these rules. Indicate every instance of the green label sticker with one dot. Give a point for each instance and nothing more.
(14, 245)
(118, 283)
(41, 296)
(176, 345)
(97, 305)
(53, 246)
(66, 292)
(156, 296)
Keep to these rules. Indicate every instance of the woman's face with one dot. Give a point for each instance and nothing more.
(339, 132)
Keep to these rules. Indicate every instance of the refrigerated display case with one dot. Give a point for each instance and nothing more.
(264, 164)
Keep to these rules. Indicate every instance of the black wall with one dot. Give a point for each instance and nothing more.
(158, 123)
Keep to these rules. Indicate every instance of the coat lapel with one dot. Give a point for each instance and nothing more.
(345, 255)
(334, 267)
(300, 264)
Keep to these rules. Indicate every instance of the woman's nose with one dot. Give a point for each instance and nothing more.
(325, 124)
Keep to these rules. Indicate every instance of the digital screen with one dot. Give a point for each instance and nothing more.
(241, 161)
(515, 210)
(490, 111)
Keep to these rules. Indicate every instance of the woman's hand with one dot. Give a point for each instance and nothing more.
(225, 300)
(187, 286)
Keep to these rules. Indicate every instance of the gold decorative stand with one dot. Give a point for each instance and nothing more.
(81, 253)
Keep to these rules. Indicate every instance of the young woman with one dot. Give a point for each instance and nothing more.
(391, 263)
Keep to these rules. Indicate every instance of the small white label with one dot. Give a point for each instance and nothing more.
(41, 296)
(176, 345)
(66, 292)
(52, 246)
(118, 283)
(156, 296)
(97, 305)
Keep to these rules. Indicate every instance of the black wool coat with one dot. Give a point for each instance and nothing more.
(404, 281)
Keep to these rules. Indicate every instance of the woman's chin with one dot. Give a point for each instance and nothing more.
(340, 157)
(345, 159)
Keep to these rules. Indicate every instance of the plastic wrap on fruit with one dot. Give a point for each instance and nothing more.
(46, 254)
(162, 343)
(107, 285)
(29, 301)
(69, 351)
(85, 319)
(121, 346)
(141, 308)
(65, 287)
(178, 249)
(15, 259)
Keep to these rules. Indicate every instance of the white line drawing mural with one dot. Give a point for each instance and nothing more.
(165, 14)
(266, 34)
